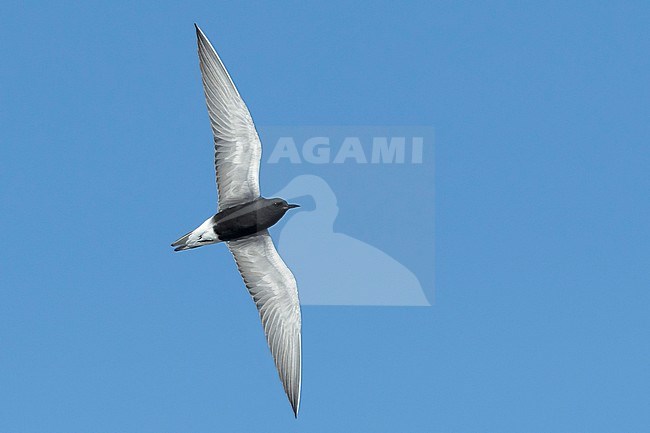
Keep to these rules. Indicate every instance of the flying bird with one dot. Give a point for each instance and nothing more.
(244, 216)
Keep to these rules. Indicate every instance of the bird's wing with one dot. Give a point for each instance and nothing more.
(237, 147)
(274, 290)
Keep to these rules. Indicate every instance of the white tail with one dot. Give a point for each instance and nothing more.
(202, 235)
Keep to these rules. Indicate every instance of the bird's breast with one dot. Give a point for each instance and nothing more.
(241, 222)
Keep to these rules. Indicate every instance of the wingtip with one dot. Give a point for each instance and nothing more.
(295, 406)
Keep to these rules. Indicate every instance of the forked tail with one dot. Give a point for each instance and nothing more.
(202, 235)
(181, 243)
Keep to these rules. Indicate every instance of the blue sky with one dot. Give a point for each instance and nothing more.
(540, 321)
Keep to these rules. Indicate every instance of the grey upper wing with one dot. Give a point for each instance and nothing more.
(274, 290)
(237, 147)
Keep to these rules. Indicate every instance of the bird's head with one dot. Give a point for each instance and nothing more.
(271, 210)
(282, 204)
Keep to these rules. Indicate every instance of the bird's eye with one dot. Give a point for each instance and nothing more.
(277, 203)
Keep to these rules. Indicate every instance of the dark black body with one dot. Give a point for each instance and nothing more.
(249, 218)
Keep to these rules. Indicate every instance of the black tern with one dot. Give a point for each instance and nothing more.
(244, 216)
